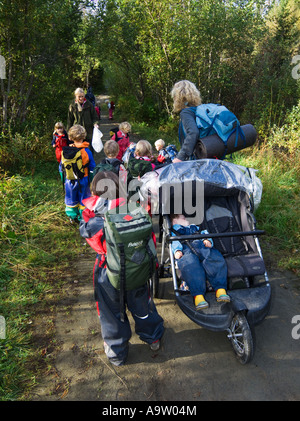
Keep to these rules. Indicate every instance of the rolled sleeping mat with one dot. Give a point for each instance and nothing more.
(213, 146)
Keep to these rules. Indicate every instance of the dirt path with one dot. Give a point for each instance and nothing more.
(193, 364)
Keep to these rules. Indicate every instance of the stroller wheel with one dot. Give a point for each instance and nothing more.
(240, 336)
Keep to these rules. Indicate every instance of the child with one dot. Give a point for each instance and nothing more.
(142, 161)
(129, 153)
(111, 163)
(111, 107)
(77, 174)
(199, 262)
(115, 332)
(98, 109)
(122, 137)
(166, 154)
(143, 151)
(159, 144)
(59, 139)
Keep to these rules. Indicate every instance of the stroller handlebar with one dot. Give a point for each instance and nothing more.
(214, 235)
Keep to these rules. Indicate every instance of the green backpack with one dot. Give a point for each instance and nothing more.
(105, 165)
(138, 167)
(131, 253)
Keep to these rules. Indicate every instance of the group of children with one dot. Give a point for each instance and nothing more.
(197, 263)
(76, 187)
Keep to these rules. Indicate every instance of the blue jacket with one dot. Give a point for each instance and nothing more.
(189, 230)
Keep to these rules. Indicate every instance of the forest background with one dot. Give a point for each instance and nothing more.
(244, 54)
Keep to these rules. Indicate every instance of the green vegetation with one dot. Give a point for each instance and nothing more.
(238, 52)
(278, 213)
(36, 244)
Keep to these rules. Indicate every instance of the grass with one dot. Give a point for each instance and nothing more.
(152, 134)
(36, 244)
(278, 213)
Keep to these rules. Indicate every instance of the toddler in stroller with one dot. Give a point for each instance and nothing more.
(198, 260)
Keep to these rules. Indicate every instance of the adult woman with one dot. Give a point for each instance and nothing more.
(82, 112)
(185, 95)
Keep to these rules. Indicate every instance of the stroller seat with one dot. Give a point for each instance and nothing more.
(231, 214)
(245, 265)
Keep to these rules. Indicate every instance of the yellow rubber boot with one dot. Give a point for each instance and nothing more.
(222, 296)
(200, 302)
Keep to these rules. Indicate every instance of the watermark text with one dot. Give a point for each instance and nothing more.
(296, 69)
(296, 329)
(2, 67)
(2, 328)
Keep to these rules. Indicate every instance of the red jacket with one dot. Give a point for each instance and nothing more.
(92, 227)
(123, 142)
(92, 224)
(60, 141)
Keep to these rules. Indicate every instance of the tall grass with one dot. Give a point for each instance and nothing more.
(278, 213)
(36, 243)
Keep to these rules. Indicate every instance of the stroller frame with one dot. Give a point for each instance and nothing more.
(249, 303)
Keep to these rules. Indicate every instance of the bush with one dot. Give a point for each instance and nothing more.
(22, 152)
(287, 137)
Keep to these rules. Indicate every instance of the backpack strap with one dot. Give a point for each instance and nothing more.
(187, 242)
(99, 264)
(151, 263)
(238, 131)
(122, 282)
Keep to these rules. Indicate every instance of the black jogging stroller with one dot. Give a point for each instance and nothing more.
(229, 195)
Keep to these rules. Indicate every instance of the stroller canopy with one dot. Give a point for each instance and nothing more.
(219, 177)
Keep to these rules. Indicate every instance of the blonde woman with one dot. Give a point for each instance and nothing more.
(81, 111)
(185, 95)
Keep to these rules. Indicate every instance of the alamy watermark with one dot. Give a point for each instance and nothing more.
(170, 198)
(296, 329)
(296, 69)
(2, 328)
(2, 67)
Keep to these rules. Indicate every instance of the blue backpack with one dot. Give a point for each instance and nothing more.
(167, 154)
(171, 151)
(217, 119)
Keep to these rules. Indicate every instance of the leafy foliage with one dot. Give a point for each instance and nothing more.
(237, 53)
